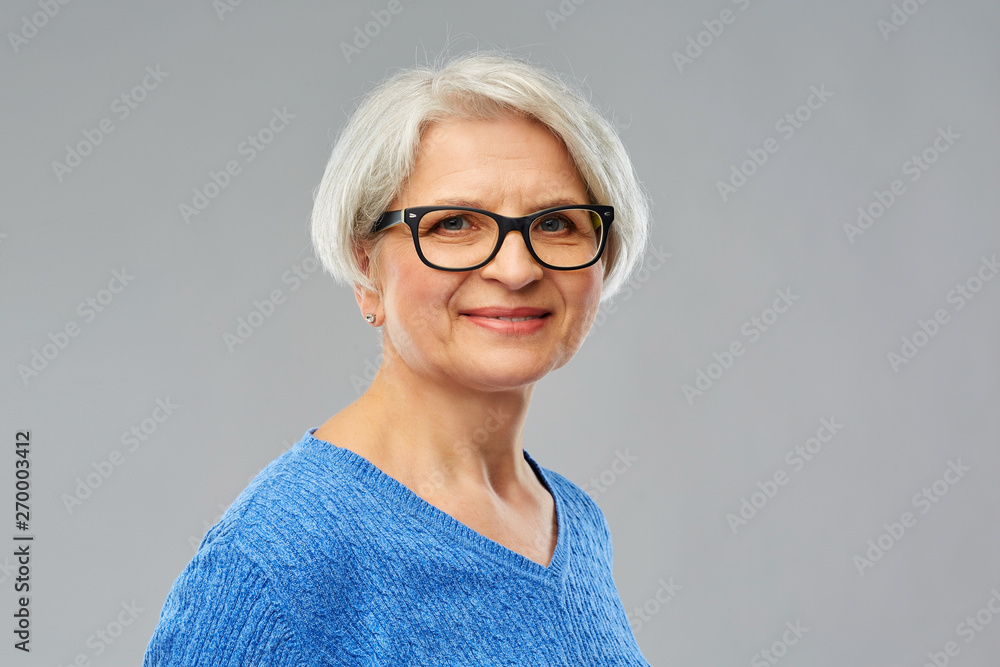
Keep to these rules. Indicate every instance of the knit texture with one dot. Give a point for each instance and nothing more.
(326, 560)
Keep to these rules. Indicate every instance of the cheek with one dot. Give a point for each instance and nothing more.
(582, 295)
(588, 293)
(417, 301)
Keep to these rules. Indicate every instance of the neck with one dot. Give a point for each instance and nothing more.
(440, 438)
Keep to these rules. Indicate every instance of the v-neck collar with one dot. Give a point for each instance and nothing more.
(403, 497)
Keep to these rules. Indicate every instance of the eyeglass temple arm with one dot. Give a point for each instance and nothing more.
(388, 219)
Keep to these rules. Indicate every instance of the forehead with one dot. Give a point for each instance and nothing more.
(507, 158)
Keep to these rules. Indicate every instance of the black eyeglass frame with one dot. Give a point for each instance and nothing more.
(411, 217)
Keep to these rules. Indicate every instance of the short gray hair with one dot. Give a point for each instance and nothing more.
(376, 150)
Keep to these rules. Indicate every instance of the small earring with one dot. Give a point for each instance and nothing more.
(370, 317)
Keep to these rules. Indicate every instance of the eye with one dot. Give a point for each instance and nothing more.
(453, 223)
(552, 224)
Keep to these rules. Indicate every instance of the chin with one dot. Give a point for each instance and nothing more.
(492, 374)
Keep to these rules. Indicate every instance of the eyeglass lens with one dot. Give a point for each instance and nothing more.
(460, 239)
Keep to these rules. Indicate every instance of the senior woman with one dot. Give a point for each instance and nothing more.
(481, 209)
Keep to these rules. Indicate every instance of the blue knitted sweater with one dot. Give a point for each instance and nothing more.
(326, 560)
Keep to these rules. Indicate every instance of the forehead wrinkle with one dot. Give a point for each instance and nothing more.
(497, 193)
(495, 177)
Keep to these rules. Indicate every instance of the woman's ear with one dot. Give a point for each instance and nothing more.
(361, 257)
(368, 301)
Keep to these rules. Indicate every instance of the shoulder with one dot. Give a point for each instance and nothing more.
(282, 554)
(219, 590)
(301, 498)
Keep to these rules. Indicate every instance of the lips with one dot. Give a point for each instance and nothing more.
(508, 322)
(508, 314)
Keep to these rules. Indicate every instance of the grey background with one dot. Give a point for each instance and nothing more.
(826, 357)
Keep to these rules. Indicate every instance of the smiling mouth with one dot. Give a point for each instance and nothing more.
(517, 319)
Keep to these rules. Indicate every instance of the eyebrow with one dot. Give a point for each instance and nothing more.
(468, 203)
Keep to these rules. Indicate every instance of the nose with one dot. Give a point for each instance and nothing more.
(513, 265)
